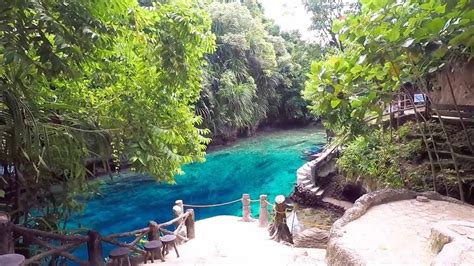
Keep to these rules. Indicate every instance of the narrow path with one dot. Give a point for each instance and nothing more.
(224, 240)
(340, 203)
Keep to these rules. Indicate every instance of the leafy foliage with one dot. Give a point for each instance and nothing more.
(252, 77)
(88, 80)
(388, 44)
(372, 158)
(325, 12)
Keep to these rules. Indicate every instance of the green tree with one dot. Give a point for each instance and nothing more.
(388, 45)
(325, 12)
(255, 75)
(96, 79)
(243, 61)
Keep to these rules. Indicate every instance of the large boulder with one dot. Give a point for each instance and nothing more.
(311, 238)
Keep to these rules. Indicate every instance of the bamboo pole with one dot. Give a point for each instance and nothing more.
(424, 88)
(466, 134)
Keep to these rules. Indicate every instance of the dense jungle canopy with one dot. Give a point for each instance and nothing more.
(140, 84)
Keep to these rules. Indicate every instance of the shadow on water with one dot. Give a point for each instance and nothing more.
(265, 164)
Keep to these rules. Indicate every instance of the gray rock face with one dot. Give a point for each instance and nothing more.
(312, 238)
(422, 199)
(454, 243)
(338, 254)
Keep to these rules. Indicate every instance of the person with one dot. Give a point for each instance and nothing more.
(329, 135)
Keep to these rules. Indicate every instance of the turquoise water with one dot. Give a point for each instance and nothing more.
(264, 164)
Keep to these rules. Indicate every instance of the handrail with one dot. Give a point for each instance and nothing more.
(185, 219)
(170, 222)
(130, 233)
(24, 230)
(130, 245)
(52, 251)
(211, 205)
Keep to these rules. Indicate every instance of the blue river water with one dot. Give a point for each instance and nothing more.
(263, 164)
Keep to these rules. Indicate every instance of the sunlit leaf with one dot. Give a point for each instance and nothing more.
(408, 42)
(335, 103)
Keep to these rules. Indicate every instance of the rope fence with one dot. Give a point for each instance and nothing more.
(62, 245)
(211, 205)
(246, 212)
(269, 203)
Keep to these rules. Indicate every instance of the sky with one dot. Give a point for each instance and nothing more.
(289, 15)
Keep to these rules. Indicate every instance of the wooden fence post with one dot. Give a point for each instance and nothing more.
(180, 204)
(6, 237)
(246, 215)
(154, 228)
(190, 224)
(263, 213)
(178, 210)
(94, 249)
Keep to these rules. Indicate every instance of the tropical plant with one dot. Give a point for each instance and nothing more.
(252, 77)
(79, 76)
(388, 44)
(325, 12)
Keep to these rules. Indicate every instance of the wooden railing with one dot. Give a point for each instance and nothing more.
(43, 240)
(52, 245)
(451, 111)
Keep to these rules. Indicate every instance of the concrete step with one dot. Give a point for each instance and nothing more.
(310, 186)
(303, 171)
(315, 189)
(320, 192)
(302, 177)
(306, 182)
(306, 167)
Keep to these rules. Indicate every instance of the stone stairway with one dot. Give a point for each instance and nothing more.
(311, 178)
(304, 179)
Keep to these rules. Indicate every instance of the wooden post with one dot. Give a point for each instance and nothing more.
(94, 249)
(246, 215)
(154, 228)
(190, 224)
(6, 237)
(263, 213)
(180, 204)
(178, 210)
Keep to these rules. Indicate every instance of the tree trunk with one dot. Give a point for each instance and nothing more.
(278, 229)
(425, 141)
(466, 134)
(6, 237)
